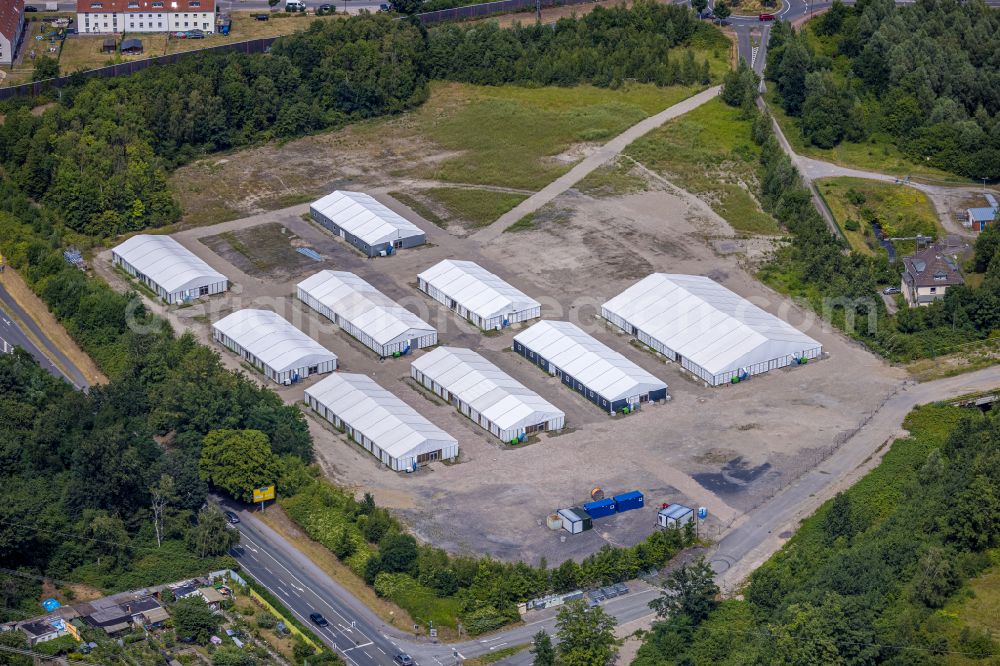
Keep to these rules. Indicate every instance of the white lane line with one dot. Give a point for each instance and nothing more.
(460, 655)
(298, 614)
(494, 647)
(366, 654)
(380, 649)
(296, 592)
(490, 640)
(282, 590)
(338, 613)
(268, 570)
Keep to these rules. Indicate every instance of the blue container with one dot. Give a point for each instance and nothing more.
(600, 508)
(629, 501)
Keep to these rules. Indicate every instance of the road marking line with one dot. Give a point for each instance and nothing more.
(494, 647)
(460, 655)
(268, 570)
(381, 650)
(282, 590)
(366, 654)
(490, 640)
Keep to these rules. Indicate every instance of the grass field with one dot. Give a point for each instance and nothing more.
(461, 206)
(755, 7)
(522, 137)
(709, 152)
(900, 210)
(878, 154)
(612, 180)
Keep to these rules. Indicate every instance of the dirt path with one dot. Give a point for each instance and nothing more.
(606, 152)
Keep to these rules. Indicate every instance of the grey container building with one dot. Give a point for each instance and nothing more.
(365, 223)
(589, 367)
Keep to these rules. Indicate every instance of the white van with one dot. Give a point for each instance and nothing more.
(295, 6)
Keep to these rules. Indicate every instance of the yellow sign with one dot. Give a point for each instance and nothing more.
(263, 493)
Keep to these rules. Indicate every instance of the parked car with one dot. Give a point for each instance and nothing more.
(29, 8)
(179, 35)
(318, 619)
(889, 291)
(196, 34)
(384, 7)
(324, 9)
(403, 659)
(232, 517)
(262, 17)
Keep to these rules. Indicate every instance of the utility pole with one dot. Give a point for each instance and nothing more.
(538, 10)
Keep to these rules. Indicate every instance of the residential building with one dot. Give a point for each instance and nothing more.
(928, 273)
(119, 16)
(11, 29)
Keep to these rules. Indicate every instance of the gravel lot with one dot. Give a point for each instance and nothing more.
(728, 449)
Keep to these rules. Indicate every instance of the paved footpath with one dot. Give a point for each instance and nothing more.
(592, 162)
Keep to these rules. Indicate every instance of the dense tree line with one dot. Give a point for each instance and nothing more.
(816, 265)
(863, 580)
(927, 75)
(107, 486)
(100, 156)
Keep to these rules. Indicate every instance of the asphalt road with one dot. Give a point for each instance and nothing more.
(11, 331)
(240, 5)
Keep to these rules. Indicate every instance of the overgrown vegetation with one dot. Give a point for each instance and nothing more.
(844, 285)
(922, 77)
(864, 579)
(481, 593)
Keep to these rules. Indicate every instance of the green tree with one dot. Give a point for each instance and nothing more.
(238, 461)
(586, 635)
(936, 578)
(722, 10)
(230, 655)
(840, 520)
(541, 647)
(398, 553)
(690, 590)
(18, 641)
(406, 6)
(699, 6)
(739, 85)
(974, 517)
(45, 68)
(806, 639)
(344, 547)
(194, 619)
(211, 535)
(162, 494)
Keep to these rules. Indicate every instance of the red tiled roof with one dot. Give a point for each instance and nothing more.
(931, 267)
(10, 17)
(136, 6)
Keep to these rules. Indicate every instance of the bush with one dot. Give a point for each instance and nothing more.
(265, 620)
(852, 225)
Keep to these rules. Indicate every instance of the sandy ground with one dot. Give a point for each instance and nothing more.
(728, 449)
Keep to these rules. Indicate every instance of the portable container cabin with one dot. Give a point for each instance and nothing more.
(575, 520)
(600, 508)
(629, 501)
(675, 516)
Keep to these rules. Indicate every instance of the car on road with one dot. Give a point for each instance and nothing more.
(232, 518)
(384, 7)
(403, 659)
(318, 619)
(766, 17)
(29, 8)
(889, 291)
(324, 9)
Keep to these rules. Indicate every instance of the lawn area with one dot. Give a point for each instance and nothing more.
(877, 154)
(611, 180)
(755, 7)
(461, 206)
(901, 211)
(246, 27)
(709, 152)
(980, 607)
(521, 137)
(83, 52)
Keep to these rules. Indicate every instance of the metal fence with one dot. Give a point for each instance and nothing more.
(489, 9)
(132, 66)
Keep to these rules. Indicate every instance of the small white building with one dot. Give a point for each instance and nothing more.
(168, 268)
(384, 425)
(709, 330)
(272, 345)
(477, 295)
(588, 366)
(363, 311)
(485, 393)
(119, 16)
(365, 223)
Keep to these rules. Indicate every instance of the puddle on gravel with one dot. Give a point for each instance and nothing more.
(733, 478)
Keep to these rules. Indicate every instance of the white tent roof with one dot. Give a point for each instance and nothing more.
(476, 289)
(703, 321)
(365, 306)
(394, 426)
(167, 263)
(361, 215)
(585, 359)
(486, 388)
(273, 340)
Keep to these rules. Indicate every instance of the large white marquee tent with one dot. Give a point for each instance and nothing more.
(485, 393)
(476, 294)
(365, 223)
(168, 268)
(588, 366)
(711, 331)
(366, 313)
(384, 425)
(269, 342)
